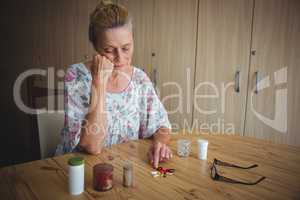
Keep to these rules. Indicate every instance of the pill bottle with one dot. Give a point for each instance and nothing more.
(76, 175)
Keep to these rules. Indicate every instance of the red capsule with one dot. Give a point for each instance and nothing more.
(171, 170)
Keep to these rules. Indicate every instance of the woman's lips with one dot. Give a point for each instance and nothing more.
(119, 66)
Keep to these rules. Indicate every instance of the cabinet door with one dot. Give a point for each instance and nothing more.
(174, 47)
(273, 105)
(142, 14)
(223, 46)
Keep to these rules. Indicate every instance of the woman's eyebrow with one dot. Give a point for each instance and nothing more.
(126, 44)
(110, 46)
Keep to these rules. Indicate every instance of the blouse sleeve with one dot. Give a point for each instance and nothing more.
(154, 115)
(76, 104)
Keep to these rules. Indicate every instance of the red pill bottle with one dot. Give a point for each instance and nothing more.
(103, 177)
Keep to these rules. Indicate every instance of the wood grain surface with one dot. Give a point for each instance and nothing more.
(48, 179)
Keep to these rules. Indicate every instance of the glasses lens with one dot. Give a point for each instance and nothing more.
(213, 172)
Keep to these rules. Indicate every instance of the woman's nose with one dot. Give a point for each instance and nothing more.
(120, 57)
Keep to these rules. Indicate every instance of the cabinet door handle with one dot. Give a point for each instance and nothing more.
(256, 82)
(154, 77)
(237, 81)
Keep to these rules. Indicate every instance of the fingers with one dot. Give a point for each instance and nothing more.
(150, 155)
(159, 152)
(94, 70)
(101, 69)
(156, 155)
(107, 65)
(94, 64)
(100, 63)
(163, 152)
(97, 64)
(169, 152)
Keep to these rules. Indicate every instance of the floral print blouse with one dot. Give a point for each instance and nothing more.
(134, 113)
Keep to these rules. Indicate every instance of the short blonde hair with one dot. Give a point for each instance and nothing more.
(105, 16)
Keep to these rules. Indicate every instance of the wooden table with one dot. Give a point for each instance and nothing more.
(48, 179)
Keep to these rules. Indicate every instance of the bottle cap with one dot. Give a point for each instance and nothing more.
(75, 161)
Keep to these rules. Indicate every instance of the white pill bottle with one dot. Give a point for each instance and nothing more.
(202, 149)
(76, 175)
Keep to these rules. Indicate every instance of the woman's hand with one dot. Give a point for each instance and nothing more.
(159, 150)
(101, 69)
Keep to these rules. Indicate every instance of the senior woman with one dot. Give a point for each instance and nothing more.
(109, 101)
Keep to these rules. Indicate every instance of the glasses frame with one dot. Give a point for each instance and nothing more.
(217, 177)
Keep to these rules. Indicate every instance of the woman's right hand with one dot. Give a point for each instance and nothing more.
(101, 69)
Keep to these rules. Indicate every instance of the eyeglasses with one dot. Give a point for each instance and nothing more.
(215, 176)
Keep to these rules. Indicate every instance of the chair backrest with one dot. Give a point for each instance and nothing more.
(49, 127)
(45, 127)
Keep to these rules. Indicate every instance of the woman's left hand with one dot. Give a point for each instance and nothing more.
(159, 152)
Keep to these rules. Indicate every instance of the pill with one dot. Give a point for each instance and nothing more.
(154, 173)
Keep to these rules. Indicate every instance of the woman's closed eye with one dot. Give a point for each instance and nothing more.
(108, 50)
(126, 47)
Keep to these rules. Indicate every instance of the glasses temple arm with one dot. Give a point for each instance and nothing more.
(221, 163)
(222, 178)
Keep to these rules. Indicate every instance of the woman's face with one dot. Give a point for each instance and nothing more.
(117, 45)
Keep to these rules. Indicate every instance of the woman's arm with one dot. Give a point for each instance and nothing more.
(154, 122)
(159, 150)
(94, 128)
